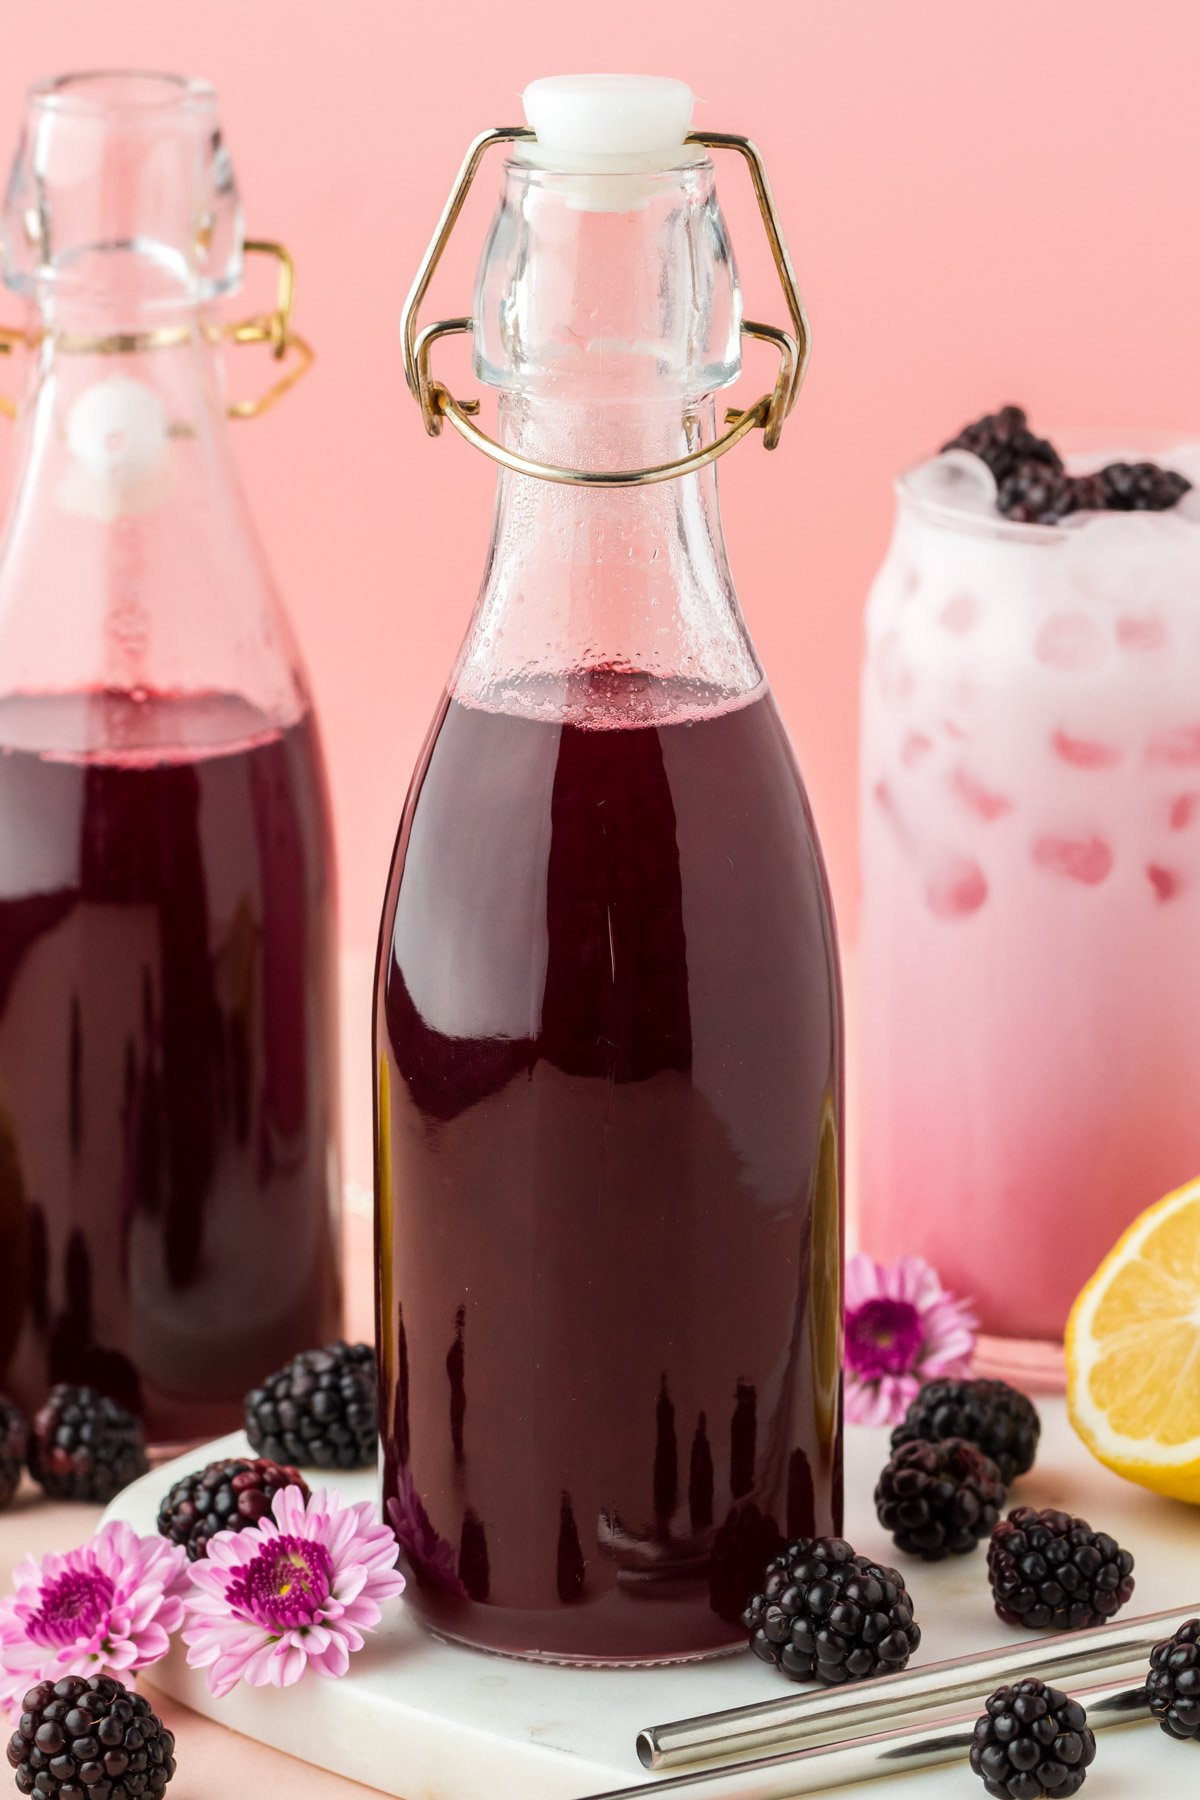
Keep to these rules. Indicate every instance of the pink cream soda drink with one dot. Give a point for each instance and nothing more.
(1031, 867)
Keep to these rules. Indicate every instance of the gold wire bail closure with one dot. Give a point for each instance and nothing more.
(767, 413)
(10, 339)
(273, 328)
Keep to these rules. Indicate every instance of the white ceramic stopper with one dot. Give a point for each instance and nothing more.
(609, 122)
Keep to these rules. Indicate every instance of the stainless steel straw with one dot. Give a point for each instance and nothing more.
(797, 1719)
(921, 1746)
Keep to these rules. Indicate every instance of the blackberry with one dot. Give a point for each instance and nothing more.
(226, 1496)
(939, 1500)
(1141, 487)
(989, 1414)
(14, 1442)
(1036, 495)
(1047, 1568)
(90, 1740)
(321, 1411)
(825, 1614)
(84, 1446)
(1173, 1684)
(1003, 441)
(1032, 1741)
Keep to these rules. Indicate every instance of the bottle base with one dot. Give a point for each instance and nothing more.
(1035, 1365)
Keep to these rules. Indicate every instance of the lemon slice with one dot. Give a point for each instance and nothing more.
(1133, 1351)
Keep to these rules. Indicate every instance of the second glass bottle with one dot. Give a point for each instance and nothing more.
(168, 1072)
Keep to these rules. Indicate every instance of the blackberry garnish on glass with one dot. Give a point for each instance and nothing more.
(1005, 443)
(1034, 486)
(1141, 487)
(1036, 495)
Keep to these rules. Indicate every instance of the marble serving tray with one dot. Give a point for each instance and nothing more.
(425, 1720)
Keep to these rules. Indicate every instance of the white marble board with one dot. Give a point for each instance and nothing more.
(425, 1720)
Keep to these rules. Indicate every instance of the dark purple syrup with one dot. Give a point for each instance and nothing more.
(167, 1051)
(608, 1040)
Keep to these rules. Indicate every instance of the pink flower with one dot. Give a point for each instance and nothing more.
(902, 1329)
(108, 1607)
(300, 1587)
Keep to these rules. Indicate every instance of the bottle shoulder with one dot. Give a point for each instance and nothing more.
(504, 799)
(133, 566)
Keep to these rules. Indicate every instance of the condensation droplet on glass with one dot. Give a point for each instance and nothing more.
(1184, 809)
(959, 615)
(1085, 753)
(985, 802)
(1145, 631)
(1071, 642)
(1165, 882)
(1087, 859)
(956, 887)
(885, 800)
(1178, 748)
(895, 678)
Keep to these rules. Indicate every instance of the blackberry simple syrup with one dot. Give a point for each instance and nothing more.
(166, 1049)
(168, 1065)
(607, 1035)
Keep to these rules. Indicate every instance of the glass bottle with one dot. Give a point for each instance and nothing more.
(1031, 891)
(608, 1028)
(168, 1092)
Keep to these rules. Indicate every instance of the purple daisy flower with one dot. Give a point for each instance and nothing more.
(107, 1608)
(299, 1588)
(902, 1329)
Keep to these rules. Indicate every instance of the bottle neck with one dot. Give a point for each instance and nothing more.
(607, 319)
(583, 583)
(129, 563)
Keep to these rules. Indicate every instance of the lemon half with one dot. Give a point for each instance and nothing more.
(1133, 1351)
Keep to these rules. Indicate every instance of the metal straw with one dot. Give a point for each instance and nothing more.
(797, 1719)
(922, 1746)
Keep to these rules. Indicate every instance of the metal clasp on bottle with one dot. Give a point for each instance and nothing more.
(273, 328)
(767, 413)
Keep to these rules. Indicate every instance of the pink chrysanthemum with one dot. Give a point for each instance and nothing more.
(299, 1588)
(108, 1607)
(902, 1329)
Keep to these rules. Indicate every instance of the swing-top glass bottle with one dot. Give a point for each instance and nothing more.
(608, 1050)
(168, 1144)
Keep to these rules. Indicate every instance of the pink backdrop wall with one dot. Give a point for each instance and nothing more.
(984, 203)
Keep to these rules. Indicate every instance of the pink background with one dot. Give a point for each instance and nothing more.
(983, 202)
